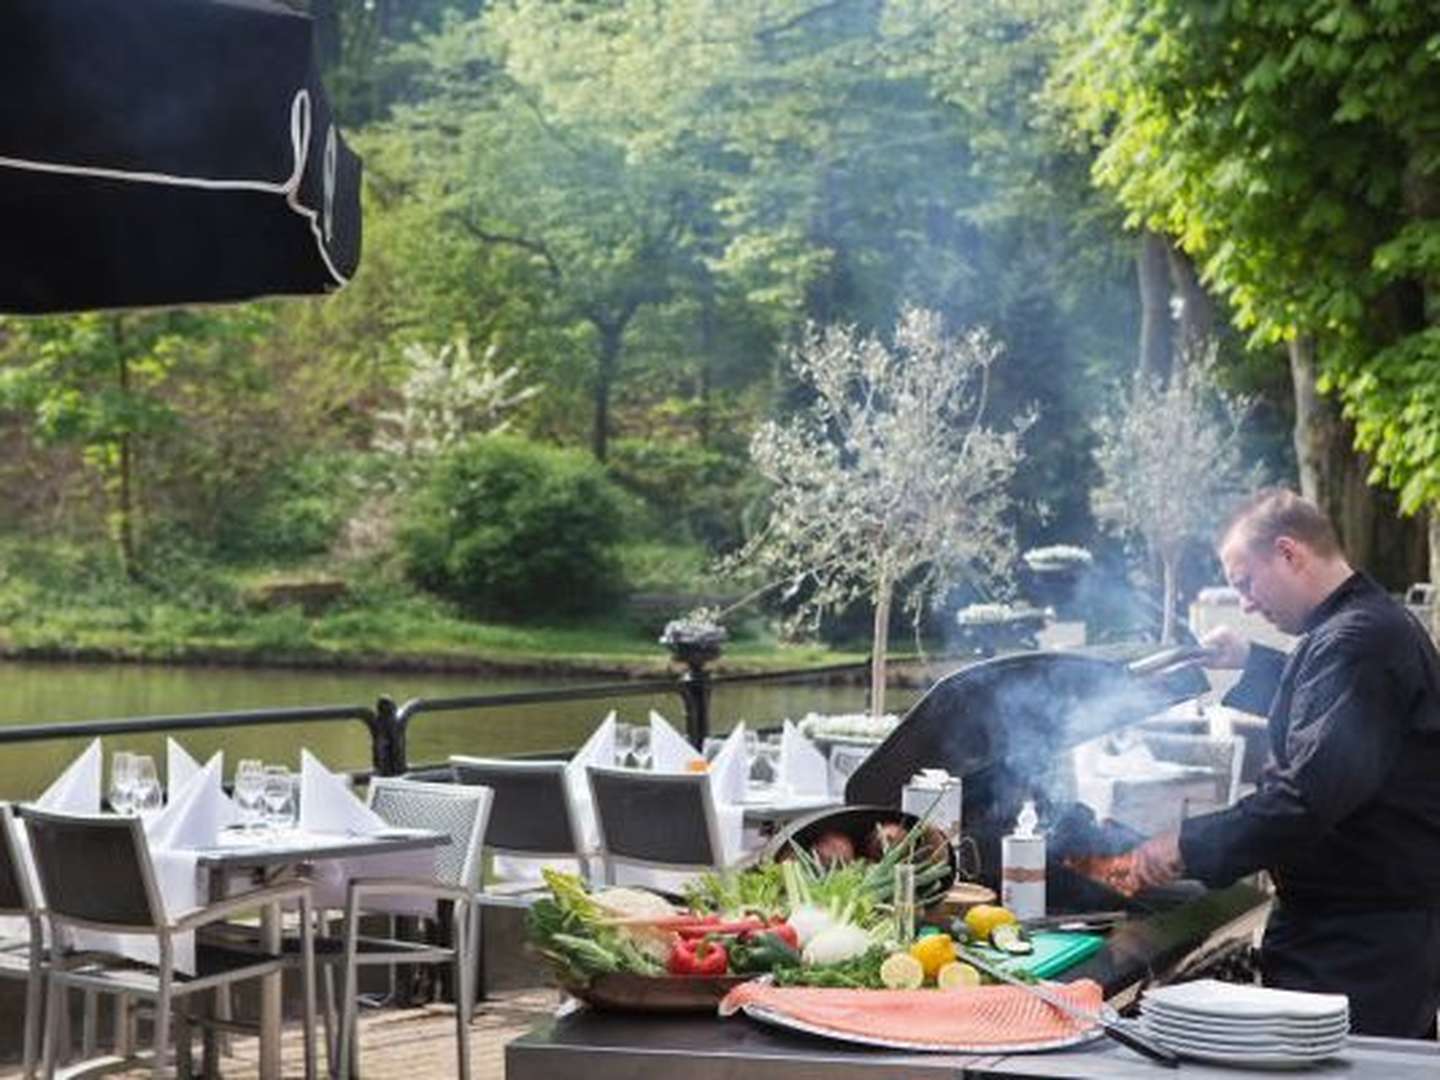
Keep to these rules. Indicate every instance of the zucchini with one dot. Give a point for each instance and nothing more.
(1010, 938)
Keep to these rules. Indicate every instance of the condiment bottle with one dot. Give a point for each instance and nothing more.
(1022, 873)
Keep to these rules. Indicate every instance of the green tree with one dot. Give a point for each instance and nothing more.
(1290, 148)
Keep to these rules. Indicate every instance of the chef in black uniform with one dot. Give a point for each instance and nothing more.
(1346, 814)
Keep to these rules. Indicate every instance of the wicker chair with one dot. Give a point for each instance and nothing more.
(462, 814)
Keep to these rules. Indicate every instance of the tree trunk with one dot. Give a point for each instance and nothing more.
(880, 645)
(1153, 273)
(1197, 310)
(607, 363)
(1167, 613)
(123, 520)
(1334, 475)
(1434, 571)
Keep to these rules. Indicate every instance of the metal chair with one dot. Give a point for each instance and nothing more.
(533, 815)
(462, 814)
(96, 874)
(659, 821)
(21, 957)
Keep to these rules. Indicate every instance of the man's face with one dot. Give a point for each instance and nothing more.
(1268, 580)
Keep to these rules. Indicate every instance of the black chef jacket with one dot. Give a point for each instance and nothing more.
(1346, 814)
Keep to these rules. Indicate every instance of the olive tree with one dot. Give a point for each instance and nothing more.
(888, 475)
(1170, 457)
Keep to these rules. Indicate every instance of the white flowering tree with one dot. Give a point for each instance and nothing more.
(1170, 458)
(447, 394)
(888, 476)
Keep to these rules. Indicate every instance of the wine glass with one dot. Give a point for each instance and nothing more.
(249, 792)
(642, 747)
(147, 795)
(279, 796)
(624, 744)
(122, 782)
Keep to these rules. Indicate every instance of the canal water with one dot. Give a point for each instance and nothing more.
(33, 693)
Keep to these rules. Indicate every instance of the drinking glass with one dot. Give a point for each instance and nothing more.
(279, 795)
(147, 795)
(641, 736)
(904, 902)
(122, 782)
(624, 743)
(250, 792)
(769, 751)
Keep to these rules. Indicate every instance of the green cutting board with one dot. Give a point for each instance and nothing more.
(1055, 951)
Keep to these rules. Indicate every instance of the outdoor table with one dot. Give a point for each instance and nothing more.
(614, 1046)
(275, 857)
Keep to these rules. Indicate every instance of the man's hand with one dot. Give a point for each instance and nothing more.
(1157, 861)
(1226, 648)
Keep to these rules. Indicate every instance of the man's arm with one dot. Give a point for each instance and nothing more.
(1346, 731)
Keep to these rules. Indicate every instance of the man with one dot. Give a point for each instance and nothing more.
(1346, 814)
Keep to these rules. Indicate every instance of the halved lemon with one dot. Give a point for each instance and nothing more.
(901, 971)
(957, 975)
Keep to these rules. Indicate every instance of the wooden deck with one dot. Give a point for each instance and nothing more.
(405, 1044)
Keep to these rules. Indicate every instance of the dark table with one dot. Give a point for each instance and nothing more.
(599, 1046)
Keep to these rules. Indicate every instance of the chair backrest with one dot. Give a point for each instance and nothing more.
(662, 820)
(462, 813)
(15, 894)
(94, 869)
(532, 813)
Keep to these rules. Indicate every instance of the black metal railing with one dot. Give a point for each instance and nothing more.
(388, 724)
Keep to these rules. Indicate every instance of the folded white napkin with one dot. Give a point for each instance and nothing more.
(669, 750)
(77, 789)
(599, 749)
(730, 769)
(181, 768)
(803, 768)
(327, 806)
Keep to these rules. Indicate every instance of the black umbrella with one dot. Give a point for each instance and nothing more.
(166, 152)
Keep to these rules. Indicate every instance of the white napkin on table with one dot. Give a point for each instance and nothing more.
(804, 770)
(328, 806)
(181, 768)
(669, 750)
(730, 769)
(77, 789)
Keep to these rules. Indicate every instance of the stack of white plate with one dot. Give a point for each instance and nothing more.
(1246, 1025)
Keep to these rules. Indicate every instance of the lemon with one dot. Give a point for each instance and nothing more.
(933, 952)
(982, 919)
(957, 975)
(901, 971)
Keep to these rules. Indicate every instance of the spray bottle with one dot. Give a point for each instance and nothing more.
(1022, 874)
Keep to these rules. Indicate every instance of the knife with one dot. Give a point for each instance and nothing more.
(1117, 1029)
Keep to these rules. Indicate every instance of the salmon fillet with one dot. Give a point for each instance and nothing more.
(984, 1016)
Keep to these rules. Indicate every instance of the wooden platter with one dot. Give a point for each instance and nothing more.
(622, 992)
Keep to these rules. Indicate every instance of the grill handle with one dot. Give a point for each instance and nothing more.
(1167, 660)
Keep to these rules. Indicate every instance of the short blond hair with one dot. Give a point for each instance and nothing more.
(1273, 512)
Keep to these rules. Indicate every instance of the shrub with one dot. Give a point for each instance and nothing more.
(507, 527)
(694, 493)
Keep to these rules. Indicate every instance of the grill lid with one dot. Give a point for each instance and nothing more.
(1013, 716)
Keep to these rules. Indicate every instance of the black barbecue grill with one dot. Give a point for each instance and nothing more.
(1004, 725)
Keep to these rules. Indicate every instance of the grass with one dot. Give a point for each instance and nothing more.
(57, 600)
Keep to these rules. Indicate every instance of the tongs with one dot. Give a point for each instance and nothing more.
(1167, 660)
(1121, 1031)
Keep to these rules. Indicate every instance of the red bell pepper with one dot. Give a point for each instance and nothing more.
(698, 957)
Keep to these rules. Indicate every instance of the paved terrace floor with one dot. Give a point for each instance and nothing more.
(404, 1044)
